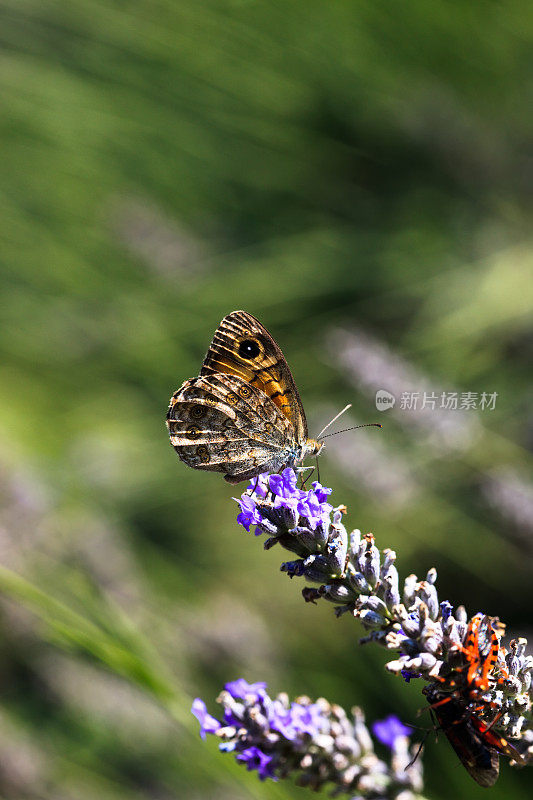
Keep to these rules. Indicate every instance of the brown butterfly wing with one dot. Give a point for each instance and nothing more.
(242, 347)
(222, 423)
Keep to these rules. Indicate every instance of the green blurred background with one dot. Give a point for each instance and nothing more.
(359, 176)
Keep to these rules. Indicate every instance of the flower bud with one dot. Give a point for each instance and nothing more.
(359, 582)
(336, 549)
(317, 568)
(371, 619)
(338, 593)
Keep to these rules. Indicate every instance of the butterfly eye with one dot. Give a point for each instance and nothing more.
(249, 349)
(193, 431)
(245, 391)
(197, 412)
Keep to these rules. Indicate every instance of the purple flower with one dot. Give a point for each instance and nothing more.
(290, 503)
(208, 724)
(311, 505)
(254, 758)
(280, 719)
(294, 568)
(321, 492)
(388, 729)
(259, 485)
(284, 485)
(249, 514)
(446, 609)
(315, 742)
(315, 512)
(296, 720)
(285, 490)
(408, 676)
(241, 689)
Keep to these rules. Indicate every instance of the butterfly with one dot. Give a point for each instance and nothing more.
(242, 415)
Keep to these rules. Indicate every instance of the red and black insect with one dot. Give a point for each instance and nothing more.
(475, 675)
(462, 713)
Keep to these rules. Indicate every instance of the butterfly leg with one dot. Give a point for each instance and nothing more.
(301, 469)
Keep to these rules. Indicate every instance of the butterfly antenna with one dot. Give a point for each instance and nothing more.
(367, 425)
(334, 420)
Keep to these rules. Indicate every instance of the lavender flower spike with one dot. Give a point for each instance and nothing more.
(426, 635)
(316, 743)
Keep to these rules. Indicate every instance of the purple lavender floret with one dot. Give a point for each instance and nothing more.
(321, 492)
(241, 689)
(317, 513)
(387, 730)
(446, 610)
(408, 676)
(284, 486)
(249, 513)
(307, 509)
(317, 743)
(208, 724)
(260, 484)
(254, 758)
(294, 722)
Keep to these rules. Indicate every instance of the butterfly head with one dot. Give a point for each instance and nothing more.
(298, 452)
(312, 447)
